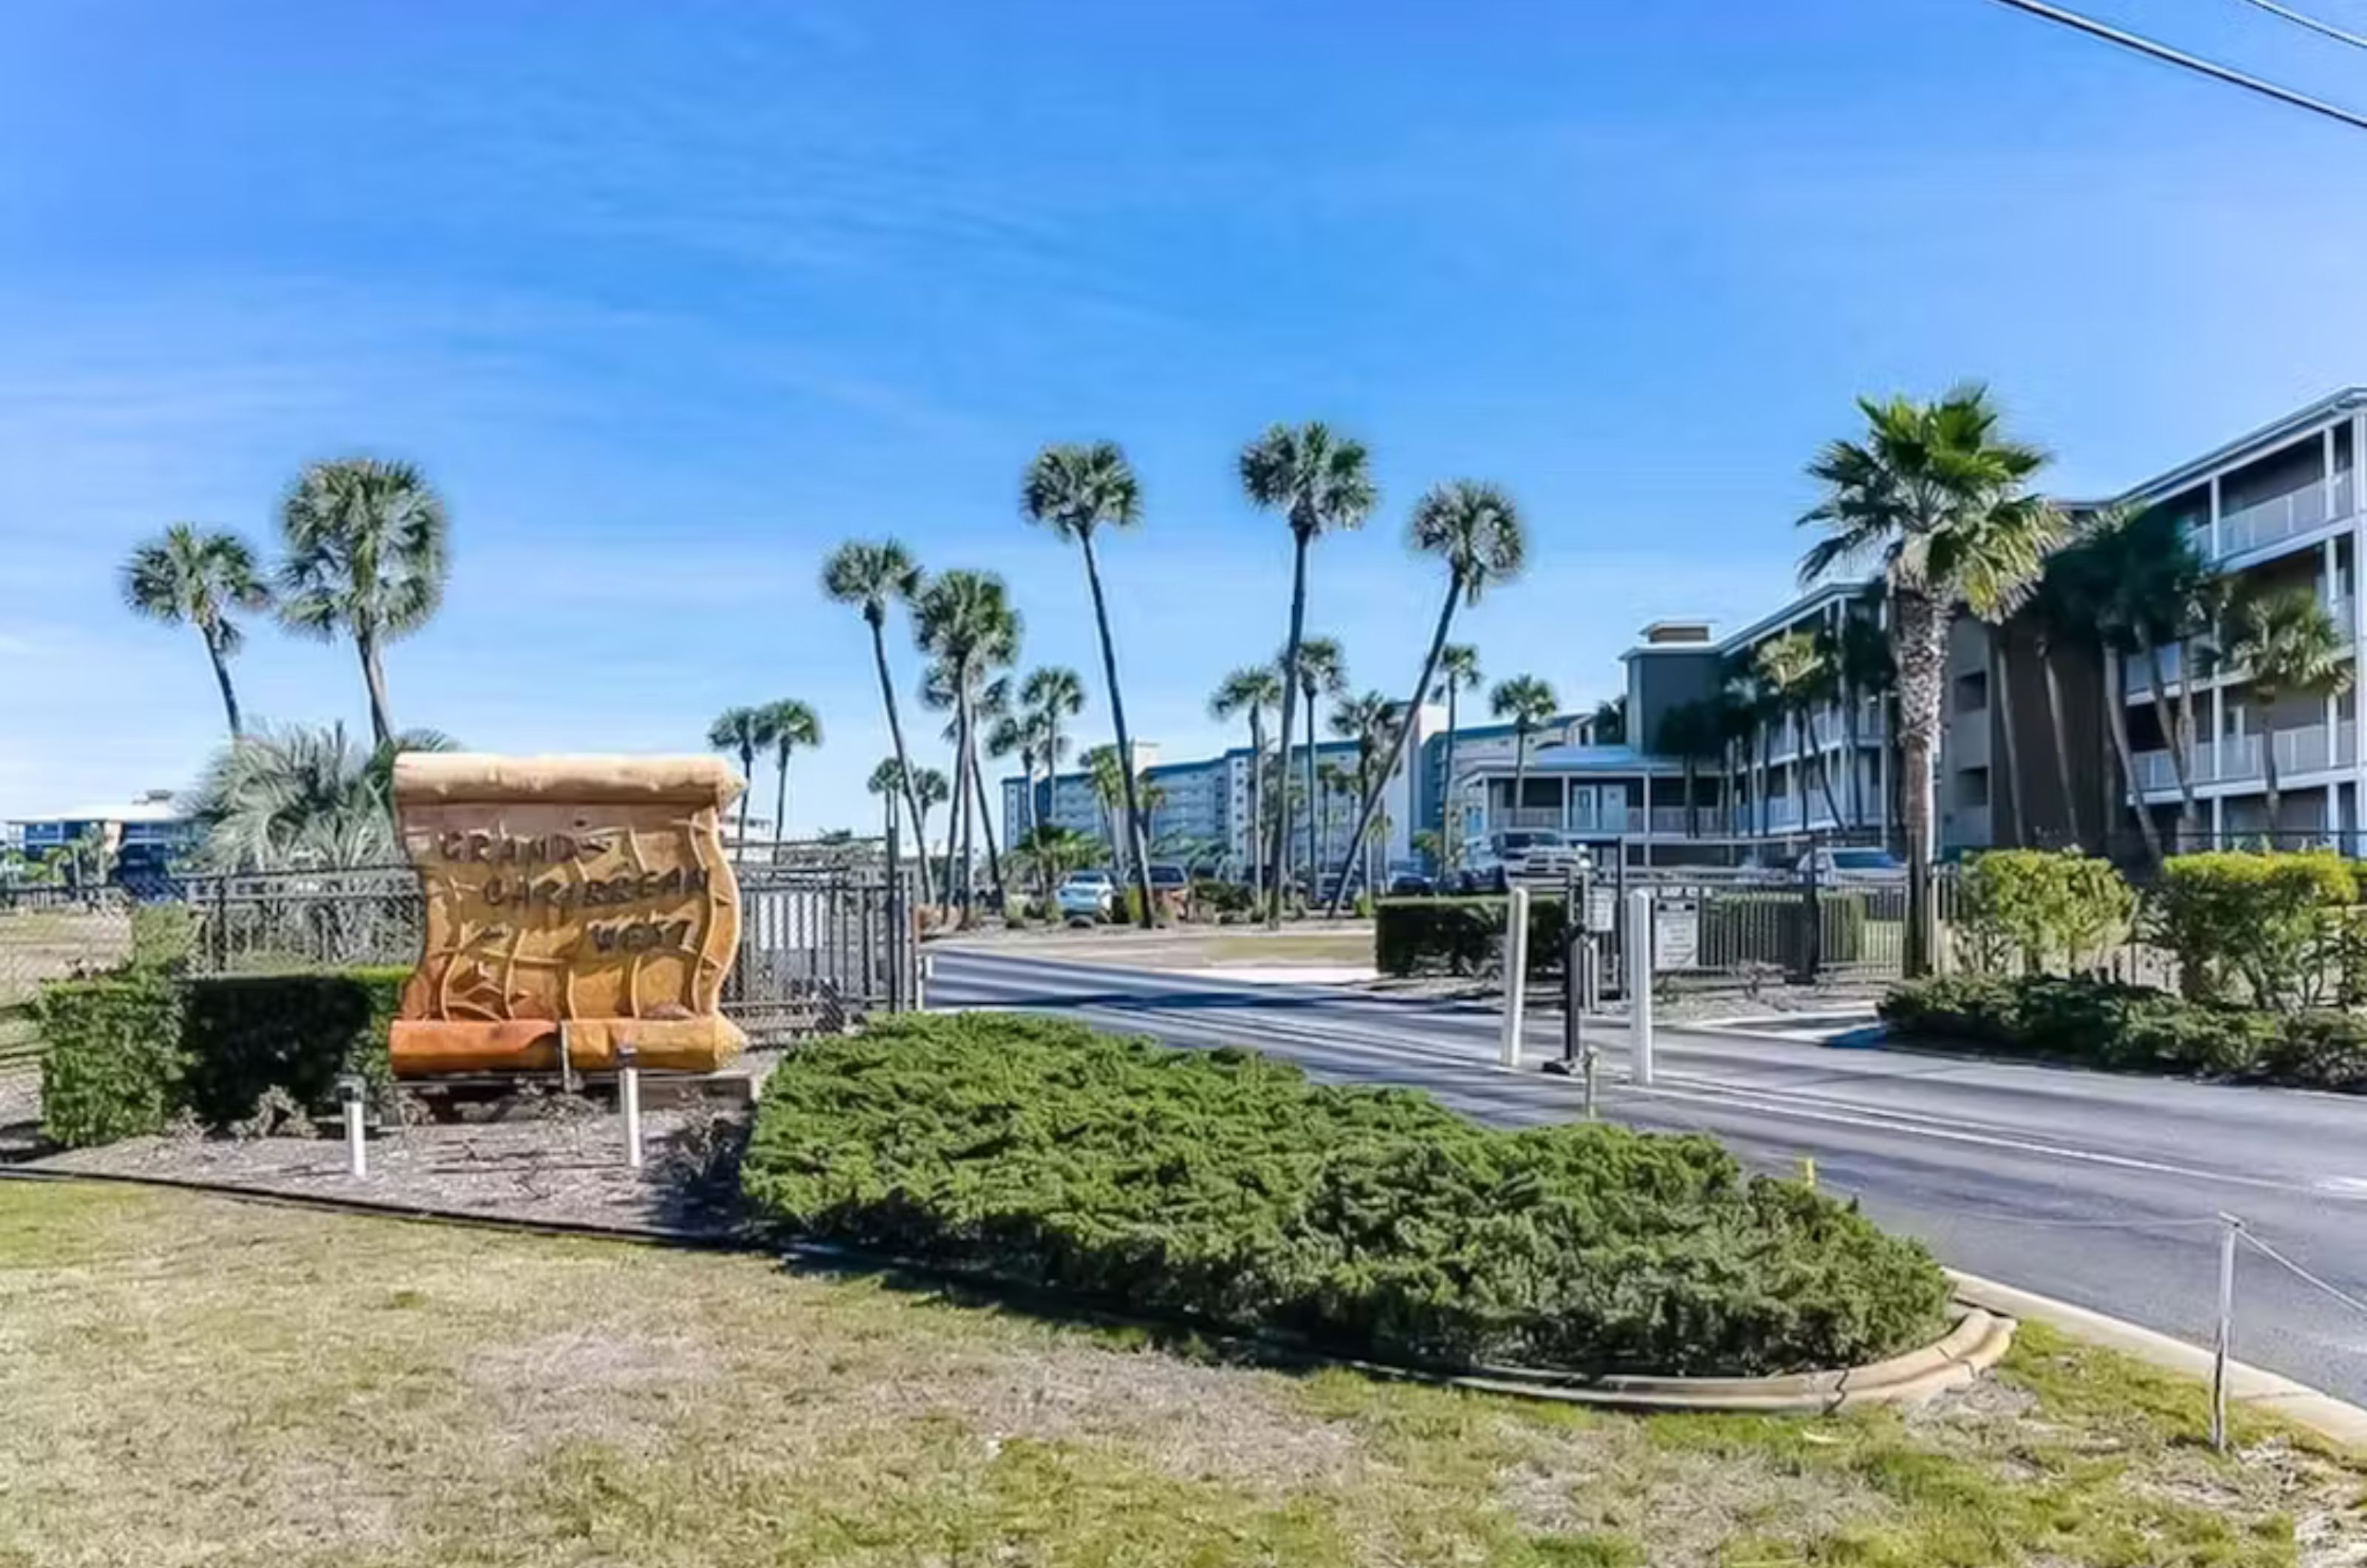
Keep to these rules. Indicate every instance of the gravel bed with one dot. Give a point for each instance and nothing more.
(568, 1167)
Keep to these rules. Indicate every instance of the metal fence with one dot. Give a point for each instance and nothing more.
(822, 943)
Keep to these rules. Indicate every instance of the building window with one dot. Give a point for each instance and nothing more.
(1973, 788)
(1972, 692)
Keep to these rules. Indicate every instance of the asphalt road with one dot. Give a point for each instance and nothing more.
(2098, 1189)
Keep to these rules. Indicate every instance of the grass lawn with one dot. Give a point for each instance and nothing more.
(188, 1379)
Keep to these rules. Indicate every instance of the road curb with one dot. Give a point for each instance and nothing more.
(2337, 1420)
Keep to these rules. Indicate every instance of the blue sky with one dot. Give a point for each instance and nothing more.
(668, 299)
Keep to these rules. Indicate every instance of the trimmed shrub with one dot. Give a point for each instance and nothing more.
(1461, 936)
(2040, 910)
(2128, 1027)
(162, 936)
(1224, 1188)
(246, 1034)
(2262, 928)
(111, 1063)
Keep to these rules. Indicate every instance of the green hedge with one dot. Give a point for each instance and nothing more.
(1224, 1188)
(2132, 1029)
(1460, 936)
(111, 1063)
(126, 1054)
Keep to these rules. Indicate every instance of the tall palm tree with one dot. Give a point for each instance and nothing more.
(887, 781)
(788, 724)
(1528, 702)
(1735, 702)
(1321, 482)
(1858, 649)
(1458, 672)
(2172, 596)
(1940, 496)
(2292, 648)
(2099, 582)
(1108, 780)
(966, 621)
(871, 575)
(187, 575)
(1322, 672)
(989, 710)
(1608, 723)
(2057, 619)
(367, 555)
(1249, 692)
(1689, 732)
(929, 788)
(1076, 490)
(744, 731)
(1474, 529)
(1051, 696)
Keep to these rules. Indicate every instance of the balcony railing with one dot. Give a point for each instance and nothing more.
(2281, 517)
(2136, 677)
(1526, 816)
(1674, 818)
(1608, 819)
(2305, 749)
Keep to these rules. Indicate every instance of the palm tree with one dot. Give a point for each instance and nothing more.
(1939, 494)
(788, 724)
(1050, 695)
(744, 731)
(1528, 702)
(1474, 530)
(1859, 653)
(1322, 672)
(1321, 482)
(2172, 596)
(929, 788)
(1108, 780)
(887, 781)
(1250, 691)
(872, 575)
(183, 576)
(2098, 584)
(1458, 672)
(1689, 732)
(1736, 705)
(301, 798)
(1076, 490)
(1369, 721)
(2057, 619)
(367, 556)
(966, 620)
(1794, 675)
(2292, 648)
(1607, 725)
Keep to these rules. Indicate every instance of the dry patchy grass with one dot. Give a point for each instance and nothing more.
(191, 1381)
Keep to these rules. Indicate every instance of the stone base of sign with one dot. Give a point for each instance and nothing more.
(429, 1047)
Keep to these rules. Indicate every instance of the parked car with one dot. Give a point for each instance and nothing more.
(1409, 880)
(1844, 864)
(1086, 895)
(1168, 878)
(1492, 862)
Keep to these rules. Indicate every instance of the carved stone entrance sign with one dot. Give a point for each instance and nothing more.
(573, 904)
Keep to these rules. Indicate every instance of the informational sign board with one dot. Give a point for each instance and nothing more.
(1676, 933)
(1601, 908)
(574, 905)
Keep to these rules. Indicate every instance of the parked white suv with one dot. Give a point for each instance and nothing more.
(1086, 895)
(1494, 861)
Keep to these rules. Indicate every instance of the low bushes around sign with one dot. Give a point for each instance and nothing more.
(1461, 936)
(125, 1055)
(1224, 1188)
(2131, 1029)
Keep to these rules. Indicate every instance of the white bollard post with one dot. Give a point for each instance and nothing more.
(1640, 984)
(630, 1092)
(357, 1141)
(2224, 1345)
(1516, 976)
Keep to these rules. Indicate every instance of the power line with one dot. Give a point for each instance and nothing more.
(2194, 63)
(2302, 20)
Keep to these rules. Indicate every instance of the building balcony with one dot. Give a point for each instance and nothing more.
(2281, 517)
(2302, 749)
(2137, 677)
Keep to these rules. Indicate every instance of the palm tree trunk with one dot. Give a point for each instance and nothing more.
(2117, 719)
(221, 678)
(965, 811)
(1134, 826)
(1449, 842)
(1825, 786)
(2269, 775)
(1379, 783)
(2002, 682)
(1257, 799)
(747, 776)
(1279, 861)
(2188, 808)
(2054, 725)
(903, 759)
(780, 802)
(373, 677)
(986, 826)
(1922, 648)
(1520, 768)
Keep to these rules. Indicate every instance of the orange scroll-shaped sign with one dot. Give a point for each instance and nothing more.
(574, 904)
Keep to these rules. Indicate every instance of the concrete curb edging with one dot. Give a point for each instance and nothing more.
(2337, 1420)
(1972, 1345)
